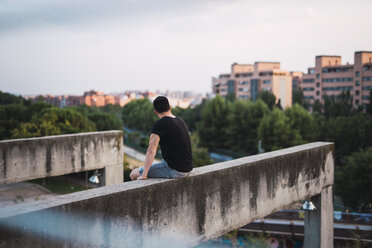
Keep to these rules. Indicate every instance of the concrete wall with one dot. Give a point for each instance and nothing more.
(212, 201)
(26, 159)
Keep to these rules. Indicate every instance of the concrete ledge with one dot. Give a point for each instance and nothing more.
(26, 159)
(213, 200)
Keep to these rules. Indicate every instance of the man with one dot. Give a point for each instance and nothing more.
(173, 136)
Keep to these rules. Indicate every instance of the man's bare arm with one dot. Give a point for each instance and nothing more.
(150, 154)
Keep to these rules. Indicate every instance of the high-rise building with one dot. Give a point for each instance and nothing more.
(245, 81)
(329, 77)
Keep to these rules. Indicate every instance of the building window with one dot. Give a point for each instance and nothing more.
(267, 82)
(367, 78)
(317, 92)
(317, 84)
(340, 88)
(329, 80)
(357, 74)
(357, 92)
(309, 80)
(357, 83)
(318, 76)
(356, 102)
(308, 89)
(367, 88)
(311, 71)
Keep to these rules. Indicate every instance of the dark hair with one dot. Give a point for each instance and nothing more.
(161, 104)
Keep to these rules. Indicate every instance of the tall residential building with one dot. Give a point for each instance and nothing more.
(246, 80)
(330, 77)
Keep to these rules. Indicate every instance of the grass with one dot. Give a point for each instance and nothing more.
(60, 185)
(132, 162)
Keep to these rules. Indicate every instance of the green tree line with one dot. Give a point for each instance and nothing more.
(19, 118)
(228, 124)
(220, 124)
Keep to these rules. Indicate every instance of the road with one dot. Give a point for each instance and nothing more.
(136, 154)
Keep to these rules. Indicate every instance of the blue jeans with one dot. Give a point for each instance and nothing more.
(162, 170)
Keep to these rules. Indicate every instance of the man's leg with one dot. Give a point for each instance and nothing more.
(158, 170)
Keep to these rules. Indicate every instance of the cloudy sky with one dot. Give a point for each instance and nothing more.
(70, 46)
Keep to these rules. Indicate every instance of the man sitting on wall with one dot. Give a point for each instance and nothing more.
(173, 136)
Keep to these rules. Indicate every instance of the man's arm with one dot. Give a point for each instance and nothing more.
(150, 155)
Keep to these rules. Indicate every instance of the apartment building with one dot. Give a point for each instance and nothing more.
(329, 77)
(246, 80)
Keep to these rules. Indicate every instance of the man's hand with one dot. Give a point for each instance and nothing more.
(141, 178)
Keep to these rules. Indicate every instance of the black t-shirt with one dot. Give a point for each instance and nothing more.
(175, 142)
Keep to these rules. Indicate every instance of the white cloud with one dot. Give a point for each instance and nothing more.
(72, 46)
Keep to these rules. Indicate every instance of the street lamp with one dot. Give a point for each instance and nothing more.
(308, 206)
(94, 178)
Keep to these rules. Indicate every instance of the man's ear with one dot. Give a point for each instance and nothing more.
(156, 112)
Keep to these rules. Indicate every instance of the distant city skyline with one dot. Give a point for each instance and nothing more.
(65, 47)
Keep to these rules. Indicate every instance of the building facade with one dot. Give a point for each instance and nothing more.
(329, 77)
(246, 80)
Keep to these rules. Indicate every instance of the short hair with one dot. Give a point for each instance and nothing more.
(161, 104)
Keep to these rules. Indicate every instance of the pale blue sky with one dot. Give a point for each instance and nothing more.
(67, 47)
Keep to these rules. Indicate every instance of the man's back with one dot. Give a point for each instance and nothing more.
(174, 142)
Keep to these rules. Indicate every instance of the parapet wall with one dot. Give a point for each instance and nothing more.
(26, 159)
(211, 201)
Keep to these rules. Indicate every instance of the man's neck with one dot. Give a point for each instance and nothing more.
(168, 113)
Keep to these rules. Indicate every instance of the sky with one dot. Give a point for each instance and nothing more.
(72, 46)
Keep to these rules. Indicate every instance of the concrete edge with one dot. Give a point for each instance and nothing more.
(62, 136)
(117, 188)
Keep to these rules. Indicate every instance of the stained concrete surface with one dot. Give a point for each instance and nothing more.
(26, 159)
(212, 201)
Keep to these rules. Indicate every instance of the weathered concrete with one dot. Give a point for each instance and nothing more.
(213, 200)
(319, 223)
(26, 159)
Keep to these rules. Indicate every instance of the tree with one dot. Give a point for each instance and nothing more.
(192, 115)
(354, 181)
(230, 97)
(276, 133)
(369, 106)
(106, 121)
(244, 119)
(300, 119)
(112, 109)
(139, 115)
(11, 116)
(267, 97)
(212, 127)
(299, 98)
(317, 107)
(54, 121)
(6, 98)
(200, 156)
(279, 105)
(36, 108)
(350, 133)
(341, 105)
